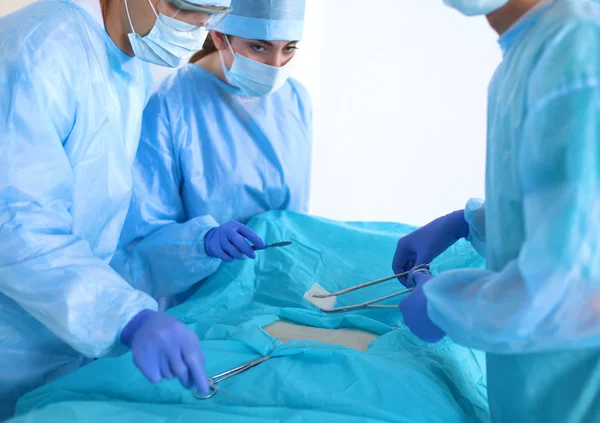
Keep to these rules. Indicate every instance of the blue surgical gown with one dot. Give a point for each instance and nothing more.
(71, 105)
(209, 155)
(536, 309)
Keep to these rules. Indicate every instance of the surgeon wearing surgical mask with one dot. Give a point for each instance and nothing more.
(224, 139)
(71, 106)
(536, 309)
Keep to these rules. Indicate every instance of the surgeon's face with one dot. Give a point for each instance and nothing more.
(272, 53)
(143, 16)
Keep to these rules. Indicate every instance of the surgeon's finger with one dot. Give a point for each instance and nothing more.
(403, 269)
(194, 358)
(419, 261)
(240, 242)
(146, 361)
(222, 254)
(232, 250)
(165, 368)
(403, 262)
(251, 236)
(400, 266)
(407, 280)
(179, 367)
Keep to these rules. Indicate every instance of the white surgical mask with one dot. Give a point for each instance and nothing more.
(475, 7)
(169, 42)
(255, 79)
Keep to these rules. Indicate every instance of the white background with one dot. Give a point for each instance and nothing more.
(399, 91)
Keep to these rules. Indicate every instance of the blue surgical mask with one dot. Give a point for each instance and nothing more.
(253, 78)
(169, 42)
(475, 7)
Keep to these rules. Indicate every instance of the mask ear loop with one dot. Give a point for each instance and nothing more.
(153, 9)
(230, 49)
(221, 56)
(229, 45)
(129, 14)
(129, 17)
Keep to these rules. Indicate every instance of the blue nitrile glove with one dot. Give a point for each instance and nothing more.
(428, 242)
(228, 242)
(414, 311)
(164, 348)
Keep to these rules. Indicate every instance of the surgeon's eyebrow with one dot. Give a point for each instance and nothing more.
(270, 44)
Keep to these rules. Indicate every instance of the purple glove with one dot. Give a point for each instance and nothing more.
(428, 242)
(164, 348)
(414, 310)
(228, 242)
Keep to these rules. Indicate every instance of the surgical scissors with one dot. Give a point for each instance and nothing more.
(226, 375)
(371, 304)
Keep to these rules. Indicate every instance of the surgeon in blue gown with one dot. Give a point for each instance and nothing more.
(74, 80)
(536, 309)
(225, 138)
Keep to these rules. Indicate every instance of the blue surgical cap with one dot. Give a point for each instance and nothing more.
(268, 20)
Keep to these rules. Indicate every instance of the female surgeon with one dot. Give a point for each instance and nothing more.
(536, 309)
(225, 138)
(70, 116)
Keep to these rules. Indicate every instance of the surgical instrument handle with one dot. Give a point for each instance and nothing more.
(367, 284)
(226, 375)
(368, 303)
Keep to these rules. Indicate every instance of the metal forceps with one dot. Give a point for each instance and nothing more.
(226, 375)
(371, 304)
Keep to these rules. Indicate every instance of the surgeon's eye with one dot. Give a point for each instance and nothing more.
(290, 49)
(258, 48)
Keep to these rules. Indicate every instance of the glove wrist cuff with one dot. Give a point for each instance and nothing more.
(134, 324)
(207, 239)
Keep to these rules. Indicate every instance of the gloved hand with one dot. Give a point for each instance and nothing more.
(428, 242)
(164, 348)
(228, 242)
(414, 310)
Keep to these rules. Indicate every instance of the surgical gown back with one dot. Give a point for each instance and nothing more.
(536, 307)
(208, 155)
(70, 114)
